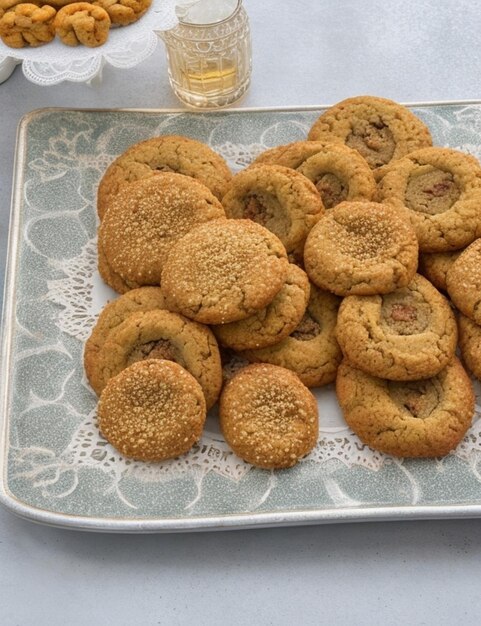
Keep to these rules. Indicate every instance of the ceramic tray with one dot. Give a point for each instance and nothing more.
(56, 468)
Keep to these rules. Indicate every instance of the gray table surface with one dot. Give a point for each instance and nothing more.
(305, 52)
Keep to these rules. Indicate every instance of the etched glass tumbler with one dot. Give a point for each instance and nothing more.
(209, 53)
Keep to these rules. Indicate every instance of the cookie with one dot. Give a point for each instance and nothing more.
(470, 344)
(408, 334)
(278, 198)
(232, 363)
(311, 351)
(167, 153)
(272, 324)
(124, 12)
(426, 418)
(147, 218)
(223, 271)
(107, 274)
(27, 24)
(440, 190)
(112, 315)
(435, 266)
(463, 282)
(379, 129)
(82, 23)
(268, 417)
(338, 172)
(361, 248)
(162, 335)
(152, 411)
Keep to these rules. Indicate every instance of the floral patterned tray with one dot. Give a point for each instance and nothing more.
(54, 465)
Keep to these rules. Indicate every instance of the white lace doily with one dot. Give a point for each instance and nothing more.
(126, 47)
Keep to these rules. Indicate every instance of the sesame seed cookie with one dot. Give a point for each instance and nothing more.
(425, 418)
(112, 315)
(470, 344)
(361, 248)
(27, 24)
(152, 411)
(124, 12)
(463, 281)
(408, 334)
(311, 351)
(162, 335)
(147, 218)
(223, 271)
(167, 153)
(435, 266)
(272, 324)
(282, 200)
(380, 130)
(440, 189)
(268, 417)
(111, 278)
(82, 23)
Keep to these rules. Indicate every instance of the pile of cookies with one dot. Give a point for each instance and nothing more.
(38, 22)
(304, 265)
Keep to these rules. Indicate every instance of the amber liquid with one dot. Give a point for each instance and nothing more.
(212, 79)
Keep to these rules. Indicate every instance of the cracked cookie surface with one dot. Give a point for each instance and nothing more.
(311, 350)
(167, 153)
(408, 334)
(162, 335)
(470, 344)
(463, 281)
(268, 417)
(436, 265)
(274, 323)
(278, 198)
(381, 130)
(338, 172)
(440, 190)
(224, 271)
(361, 248)
(112, 315)
(147, 219)
(425, 418)
(151, 411)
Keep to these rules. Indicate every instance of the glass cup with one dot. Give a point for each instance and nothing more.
(209, 53)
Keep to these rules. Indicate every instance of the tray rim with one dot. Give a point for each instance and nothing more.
(169, 524)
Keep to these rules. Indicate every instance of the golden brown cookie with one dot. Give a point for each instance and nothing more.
(112, 315)
(361, 248)
(463, 281)
(311, 351)
(435, 266)
(470, 344)
(82, 23)
(274, 323)
(27, 24)
(278, 198)
(425, 418)
(440, 189)
(124, 12)
(107, 274)
(268, 417)
(152, 411)
(167, 153)
(408, 334)
(147, 219)
(162, 335)
(338, 172)
(223, 271)
(379, 129)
